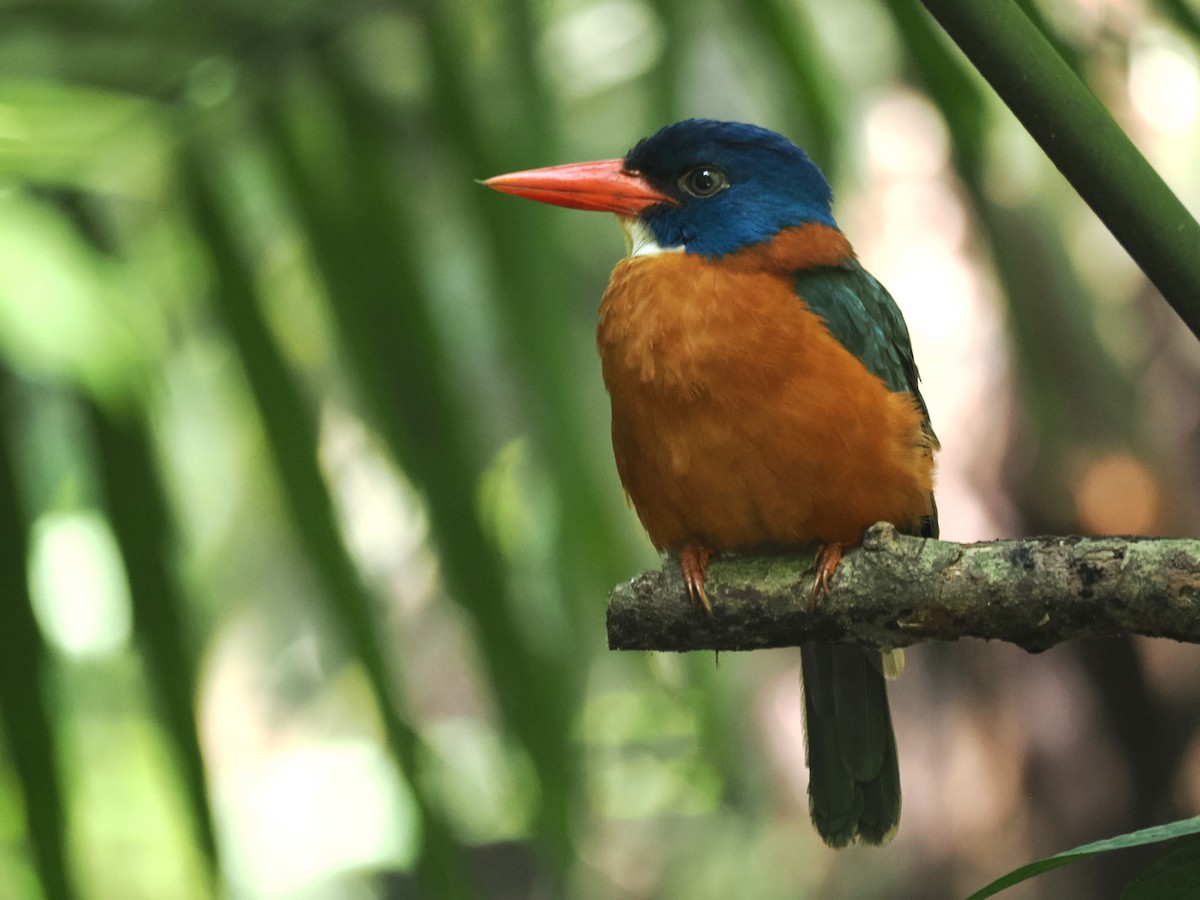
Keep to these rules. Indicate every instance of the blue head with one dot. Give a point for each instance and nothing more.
(709, 187)
(733, 185)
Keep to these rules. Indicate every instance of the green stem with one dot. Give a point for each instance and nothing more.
(290, 431)
(1083, 141)
(28, 730)
(138, 510)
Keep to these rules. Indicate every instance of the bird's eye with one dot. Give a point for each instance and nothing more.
(703, 181)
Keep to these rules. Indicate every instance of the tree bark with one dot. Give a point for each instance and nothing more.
(896, 590)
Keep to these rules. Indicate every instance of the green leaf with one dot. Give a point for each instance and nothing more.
(1185, 19)
(141, 520)
(1173, 873)
(291, 434)
(948, 82)
(27, 722)
(786, 26)
(1132, 839)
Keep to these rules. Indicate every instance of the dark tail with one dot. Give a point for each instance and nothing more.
(853, 773)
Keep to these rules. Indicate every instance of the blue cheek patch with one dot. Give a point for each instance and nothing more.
(729, 222)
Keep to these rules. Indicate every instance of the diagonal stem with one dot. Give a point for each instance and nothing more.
(1075, 130)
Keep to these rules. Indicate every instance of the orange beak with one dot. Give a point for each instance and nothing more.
(600, 186)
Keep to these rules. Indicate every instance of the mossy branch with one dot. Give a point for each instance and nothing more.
(897, 590)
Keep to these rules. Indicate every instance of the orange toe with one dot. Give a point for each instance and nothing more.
(693, 560)
(826, 562)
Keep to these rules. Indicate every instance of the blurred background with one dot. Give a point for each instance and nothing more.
(307, 507)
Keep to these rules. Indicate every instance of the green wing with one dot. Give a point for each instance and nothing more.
(864, 318)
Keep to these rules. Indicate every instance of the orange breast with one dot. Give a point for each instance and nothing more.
(739, 422)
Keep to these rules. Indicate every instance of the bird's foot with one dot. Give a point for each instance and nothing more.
(826, 562)
(693, 559)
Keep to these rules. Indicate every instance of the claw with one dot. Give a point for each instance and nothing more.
(693, 559)
(827, 559)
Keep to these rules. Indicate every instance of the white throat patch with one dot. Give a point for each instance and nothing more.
(639, 240)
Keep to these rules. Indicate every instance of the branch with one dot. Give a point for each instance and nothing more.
(897, 590)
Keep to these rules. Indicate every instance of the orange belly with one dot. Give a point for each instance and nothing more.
(739, 422)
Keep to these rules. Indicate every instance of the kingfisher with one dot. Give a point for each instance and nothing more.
(764, 399)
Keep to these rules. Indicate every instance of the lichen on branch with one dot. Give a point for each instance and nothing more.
(896, 590)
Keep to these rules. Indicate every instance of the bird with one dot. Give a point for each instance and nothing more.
(764, 399)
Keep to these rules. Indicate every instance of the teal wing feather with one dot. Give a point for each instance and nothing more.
(863, 317)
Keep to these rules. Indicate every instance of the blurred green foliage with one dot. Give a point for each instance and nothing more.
(307, 511)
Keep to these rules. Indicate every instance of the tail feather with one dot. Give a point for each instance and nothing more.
(854, 776)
